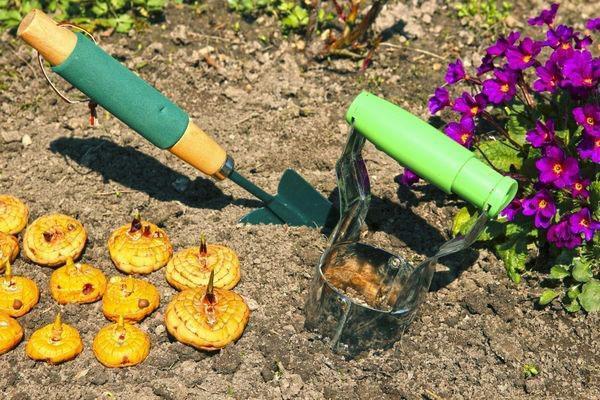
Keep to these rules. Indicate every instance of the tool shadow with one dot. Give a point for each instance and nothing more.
(138, 171)
(414, 232)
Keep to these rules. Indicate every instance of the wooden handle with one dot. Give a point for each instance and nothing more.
(41, 32)
(200, 151)
(56, 44)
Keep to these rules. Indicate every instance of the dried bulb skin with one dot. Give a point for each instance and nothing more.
(11, 333)
(132, 298)
(77, 283)
(9, 249)
(51, 239)
(14, 215)
(190, 268)
(139, 247)
(55, 343)
(18, 294)
(207, 322)
(121, 345)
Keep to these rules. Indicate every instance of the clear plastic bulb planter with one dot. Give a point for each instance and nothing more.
(363, 297)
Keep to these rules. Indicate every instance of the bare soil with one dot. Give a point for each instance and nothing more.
(272, 108)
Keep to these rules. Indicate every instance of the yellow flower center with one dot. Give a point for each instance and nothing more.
(590, 120)
(578, 186)
(597, 143)
(526, 58)
(504, 88)
(587, 81)
(464, 138)
(566, 46)
(584, 222)
(542, 204)
(474, 110)
(557, 168)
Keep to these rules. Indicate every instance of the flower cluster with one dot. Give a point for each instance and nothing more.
(552, 84)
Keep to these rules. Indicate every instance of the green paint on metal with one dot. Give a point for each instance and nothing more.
(429, 153)
(122, 93)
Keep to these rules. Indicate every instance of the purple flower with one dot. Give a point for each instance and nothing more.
(589, 148)
(502, 88)
(579, 188)
(487, 65)
(581, 41)
(461, 132)
(456, 72)
(560, 38)
(439, 100)
(542, 135)
(542, 206)
(593, 24)
(549, 76)
(408, 178)
(557, 168)
(561, 235)
(469, 106)
(588, 116)
(523, 56)
(582, 222)
(499, 48)
(579, 70)
(545, 17)
(512, 210)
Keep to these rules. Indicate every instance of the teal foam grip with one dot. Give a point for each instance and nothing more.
(124, 94)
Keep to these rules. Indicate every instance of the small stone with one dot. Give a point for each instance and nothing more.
(26, 140)
(98, 376)
(252, 304)
(163, 392)
(437, 66)
(156, 47)
(181, 184)
(179, 35)
(159, 330)
(267, 374)
(291, 385)
(426, 18)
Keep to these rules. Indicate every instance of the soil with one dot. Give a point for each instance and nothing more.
(273, 108)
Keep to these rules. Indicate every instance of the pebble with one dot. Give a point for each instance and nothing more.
(26, 140)
(252, 304)
(181, 184)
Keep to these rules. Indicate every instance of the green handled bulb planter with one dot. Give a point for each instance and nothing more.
(386, 290)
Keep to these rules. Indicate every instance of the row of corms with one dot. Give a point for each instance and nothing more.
(206, 314)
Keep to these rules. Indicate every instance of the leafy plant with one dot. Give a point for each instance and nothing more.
(540, 99)
(488, 10)
(120, 15)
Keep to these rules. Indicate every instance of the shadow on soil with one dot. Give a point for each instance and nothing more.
(138, 171)
(419, 236)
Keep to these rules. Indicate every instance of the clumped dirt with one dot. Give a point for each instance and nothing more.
(272, 109)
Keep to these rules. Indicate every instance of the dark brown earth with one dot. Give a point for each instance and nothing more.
(272, 108)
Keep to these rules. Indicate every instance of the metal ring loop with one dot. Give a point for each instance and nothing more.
(41, 64)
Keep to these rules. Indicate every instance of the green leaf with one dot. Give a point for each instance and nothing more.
(548, 296)
(595, 198)
(501, 153)
(590, 296)
(573, 291)
(558, 272)
(460, 219)
(582, 271)
(514, 254)
(573, 306)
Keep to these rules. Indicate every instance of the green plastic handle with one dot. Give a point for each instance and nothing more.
(124, 94)
(430, 154)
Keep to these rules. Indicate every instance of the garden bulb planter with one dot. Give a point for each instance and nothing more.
(363, 297)
(143, 108)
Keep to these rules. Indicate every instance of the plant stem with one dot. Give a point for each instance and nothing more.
(500, 129)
